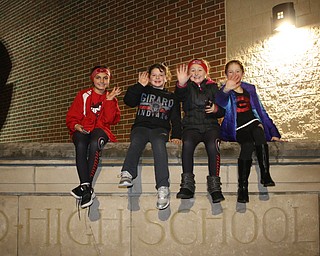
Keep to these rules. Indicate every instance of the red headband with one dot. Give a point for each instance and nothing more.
(199, 62)
(99, 70)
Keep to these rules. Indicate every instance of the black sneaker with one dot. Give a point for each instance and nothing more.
(87, 196)
(77, 193)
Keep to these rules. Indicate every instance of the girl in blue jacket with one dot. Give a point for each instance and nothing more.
(247, 122)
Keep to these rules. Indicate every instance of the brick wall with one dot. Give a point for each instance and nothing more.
(52, 46)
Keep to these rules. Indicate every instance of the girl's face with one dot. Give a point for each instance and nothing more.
(197, 72)
(157, 78)
(101, 82)
(234, 69)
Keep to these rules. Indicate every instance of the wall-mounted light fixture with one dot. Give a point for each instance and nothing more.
(283, 16)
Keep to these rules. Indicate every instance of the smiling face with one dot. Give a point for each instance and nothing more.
(157, 78)
(234, 68)
(101, 82)
(198, 73)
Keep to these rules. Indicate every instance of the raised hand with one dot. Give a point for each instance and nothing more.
(233, 82)
(143, 78)
(114, 93)
(182, 74)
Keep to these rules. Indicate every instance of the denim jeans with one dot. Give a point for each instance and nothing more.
(158, 137)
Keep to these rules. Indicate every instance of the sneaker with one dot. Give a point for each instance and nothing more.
(77, 192)
(163, 198)
(87, 196)
(126, 180)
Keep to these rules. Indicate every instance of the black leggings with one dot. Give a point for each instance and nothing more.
(87, 164)
(248, 137)
(191, 138)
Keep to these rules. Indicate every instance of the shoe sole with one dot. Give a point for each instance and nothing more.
(79, 197)
(243, 201)
(93, 196)
(163, 207)
(268, 184)
(87, 204)
(185, 196)
(75, 195)
(125, 185)
(218, 200)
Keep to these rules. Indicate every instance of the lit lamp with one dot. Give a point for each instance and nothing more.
(283, 16)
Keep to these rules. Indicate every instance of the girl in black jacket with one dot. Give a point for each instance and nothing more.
(197, 93)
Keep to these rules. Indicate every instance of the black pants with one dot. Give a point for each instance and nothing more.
(87, 162)
(248, 137)
(211, 140)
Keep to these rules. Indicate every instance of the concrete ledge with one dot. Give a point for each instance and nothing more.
(50, 168)
(39, 217)
(279, 151)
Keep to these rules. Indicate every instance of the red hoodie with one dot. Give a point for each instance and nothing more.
(82, 111)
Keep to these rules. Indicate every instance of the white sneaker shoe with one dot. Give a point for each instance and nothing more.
(126, 180)
(163, 198)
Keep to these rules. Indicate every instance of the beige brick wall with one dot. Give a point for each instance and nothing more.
(284, 67)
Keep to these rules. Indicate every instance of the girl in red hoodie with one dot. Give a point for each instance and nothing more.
(88, 120)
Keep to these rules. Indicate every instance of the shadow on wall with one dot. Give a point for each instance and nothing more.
(6, 90)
